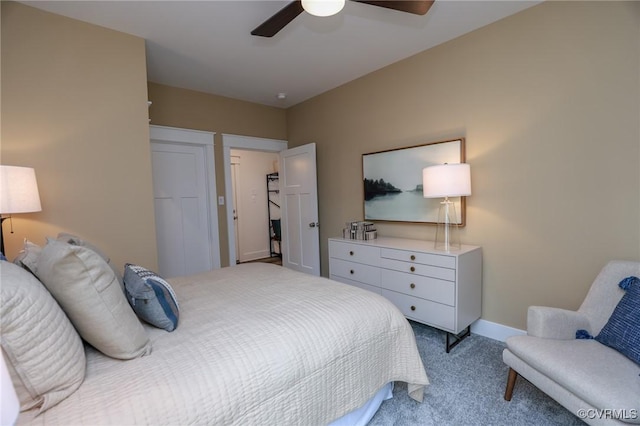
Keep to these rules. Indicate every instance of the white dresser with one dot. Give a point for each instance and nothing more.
(437, 288)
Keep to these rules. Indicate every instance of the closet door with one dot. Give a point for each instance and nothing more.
(183, 208)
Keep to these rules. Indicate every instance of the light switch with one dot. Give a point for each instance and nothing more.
(221, 200)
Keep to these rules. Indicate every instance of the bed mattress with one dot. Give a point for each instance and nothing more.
(256, 344)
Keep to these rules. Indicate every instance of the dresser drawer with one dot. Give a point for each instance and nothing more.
(418, 257)
(433, 289)
(440, 289)
(424, 311)
(356, 284)
(354, 252)
(355, 271)
(419, 269)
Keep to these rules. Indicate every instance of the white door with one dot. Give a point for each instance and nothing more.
(235, 167)
(298, 186)
(181, 209)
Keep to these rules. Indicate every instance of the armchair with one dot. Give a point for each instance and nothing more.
(593, 381)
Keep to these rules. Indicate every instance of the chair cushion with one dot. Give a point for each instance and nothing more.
(89, 292)
(151, 297)
(622, 331)
(596, 373)
(44, 354)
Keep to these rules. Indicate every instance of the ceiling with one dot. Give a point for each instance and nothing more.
(207, 46)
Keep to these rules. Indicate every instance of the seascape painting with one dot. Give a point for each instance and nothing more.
(393, 182)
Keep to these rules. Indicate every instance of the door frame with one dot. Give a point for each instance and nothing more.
(229, 142)
(175, 135)
(234, 200)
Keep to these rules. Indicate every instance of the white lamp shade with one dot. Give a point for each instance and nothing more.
(446, 180)
(323, 7)
(18, 190)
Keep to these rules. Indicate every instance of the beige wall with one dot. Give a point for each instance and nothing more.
(549, 103)
(547, 99)
(74, 107)
(188, 109)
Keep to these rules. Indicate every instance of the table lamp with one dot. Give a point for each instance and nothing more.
(18, 193)
(447, 180)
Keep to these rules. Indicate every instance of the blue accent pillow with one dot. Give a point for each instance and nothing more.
(151, 297)
(622, 331)
(2, 256)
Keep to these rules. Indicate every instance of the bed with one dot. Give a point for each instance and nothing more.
(256, 344)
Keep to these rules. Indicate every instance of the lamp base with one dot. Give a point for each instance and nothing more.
(2, 219)
(447, 237)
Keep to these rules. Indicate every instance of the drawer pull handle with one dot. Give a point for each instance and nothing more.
(412, 269)
(412, 285)
(351, 272)
(351, 253)
(413, 257)
(413, 308)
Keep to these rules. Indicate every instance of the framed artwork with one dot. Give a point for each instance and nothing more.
(393, 182)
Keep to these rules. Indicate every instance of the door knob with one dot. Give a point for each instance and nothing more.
(314, 225)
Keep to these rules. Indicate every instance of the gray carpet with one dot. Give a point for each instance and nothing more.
(467, 388)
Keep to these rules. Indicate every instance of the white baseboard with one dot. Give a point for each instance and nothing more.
(495, 331)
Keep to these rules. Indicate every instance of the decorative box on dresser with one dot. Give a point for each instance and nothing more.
(437, 288)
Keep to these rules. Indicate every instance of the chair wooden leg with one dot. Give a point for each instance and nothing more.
(511, 382)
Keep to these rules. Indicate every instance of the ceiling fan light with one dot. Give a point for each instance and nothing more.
(323, 7)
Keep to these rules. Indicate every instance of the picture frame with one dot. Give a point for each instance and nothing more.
(392, 182)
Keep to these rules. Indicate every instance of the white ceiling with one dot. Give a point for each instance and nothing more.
(207, 46)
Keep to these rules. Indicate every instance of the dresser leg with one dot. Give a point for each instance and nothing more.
(458, 338)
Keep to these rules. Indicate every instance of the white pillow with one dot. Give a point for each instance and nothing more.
(44, 354)
(77, 241)
(27, 258)
(89, 292)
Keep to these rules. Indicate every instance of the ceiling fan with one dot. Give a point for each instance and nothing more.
(271, 26)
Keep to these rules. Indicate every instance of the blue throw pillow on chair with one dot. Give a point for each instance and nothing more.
(622, 331)
(151, 297)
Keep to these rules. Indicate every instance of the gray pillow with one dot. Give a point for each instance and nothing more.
(44, 354)
(151, 297)
(77, 241)
(89, 292)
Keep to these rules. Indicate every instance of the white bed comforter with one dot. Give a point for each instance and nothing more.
(257, 344)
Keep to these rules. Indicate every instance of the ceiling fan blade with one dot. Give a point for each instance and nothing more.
(417, 7)
(271, 26)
